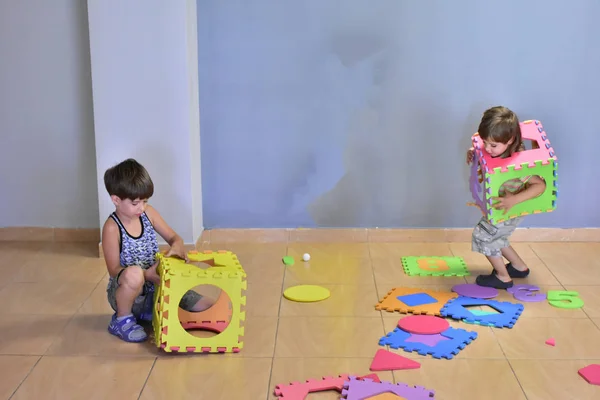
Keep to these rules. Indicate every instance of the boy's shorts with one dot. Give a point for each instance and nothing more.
(188, 301)
(489, 239)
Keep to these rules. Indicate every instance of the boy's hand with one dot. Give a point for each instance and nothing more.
(151, 275)
(470, 154)
(178, 250)
(505, 203)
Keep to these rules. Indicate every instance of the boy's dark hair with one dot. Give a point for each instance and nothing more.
(501, 125)
(128, 180)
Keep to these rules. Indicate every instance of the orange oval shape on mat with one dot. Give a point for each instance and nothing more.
(423, 324)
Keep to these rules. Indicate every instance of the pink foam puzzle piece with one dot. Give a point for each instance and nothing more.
(429, 340)
(387, 361)
(423, 324)
(530, 130)
(355, 389)
(373, 377)
(299, 391)
(551, 342)
(591, 374)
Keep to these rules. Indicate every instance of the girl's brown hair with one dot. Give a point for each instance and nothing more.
(501, 125)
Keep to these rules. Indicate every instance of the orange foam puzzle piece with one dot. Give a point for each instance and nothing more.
(386, 396)
(391, 303)
(216, 318)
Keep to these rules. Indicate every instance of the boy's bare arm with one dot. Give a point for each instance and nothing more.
(167, 233)
(110, 247)
(161, 226)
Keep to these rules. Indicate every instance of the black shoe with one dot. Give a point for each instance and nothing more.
(492, 281)
(515, 273)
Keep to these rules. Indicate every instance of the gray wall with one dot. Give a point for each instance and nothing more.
(47, 156)
(358, 113)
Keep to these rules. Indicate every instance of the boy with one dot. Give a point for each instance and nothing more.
(129, 244)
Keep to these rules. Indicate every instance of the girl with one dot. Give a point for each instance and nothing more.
(501, 134)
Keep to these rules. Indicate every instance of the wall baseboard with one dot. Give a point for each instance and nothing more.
(43, 234)
(222, 237)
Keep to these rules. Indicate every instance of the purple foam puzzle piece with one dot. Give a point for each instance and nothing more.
(527, 293)
(429, 340)
(476, 188)
(475, 291)
(363, 389)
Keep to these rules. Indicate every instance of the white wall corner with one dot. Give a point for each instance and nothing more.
(145, 90)
(194, 104)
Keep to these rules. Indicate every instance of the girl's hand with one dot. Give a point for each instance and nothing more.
(505, 203)
(151, 275)
(470, 154)
(177, 250)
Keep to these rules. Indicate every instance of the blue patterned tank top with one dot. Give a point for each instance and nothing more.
(139, 250)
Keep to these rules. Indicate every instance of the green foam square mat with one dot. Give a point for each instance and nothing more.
(435, 266)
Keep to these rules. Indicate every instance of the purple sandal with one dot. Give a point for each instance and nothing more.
(148, 308)
(127, 329)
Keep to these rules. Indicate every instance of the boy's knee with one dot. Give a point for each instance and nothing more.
(132, 277)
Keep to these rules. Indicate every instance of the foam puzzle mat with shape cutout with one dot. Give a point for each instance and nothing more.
(435, 266)
(508, 313)
(415, 301)
(444, 345)
(355, 389)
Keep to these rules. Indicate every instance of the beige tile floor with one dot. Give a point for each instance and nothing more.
(54, 344)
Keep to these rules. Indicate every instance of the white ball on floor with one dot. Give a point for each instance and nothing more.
(306, 257)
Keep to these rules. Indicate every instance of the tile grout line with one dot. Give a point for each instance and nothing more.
(560, 283)
(508, 361)
(563, 286)
(59, 336)
(545, 265)
(25, 378)
(454, 255)
(516, 377)
(148, 377)
(72, 317)
(90, 295)
(378, 299)
(287, 248)
(498, 341)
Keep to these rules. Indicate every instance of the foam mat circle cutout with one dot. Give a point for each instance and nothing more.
(306, 293)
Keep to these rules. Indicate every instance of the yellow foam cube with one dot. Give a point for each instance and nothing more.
(176, 278)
